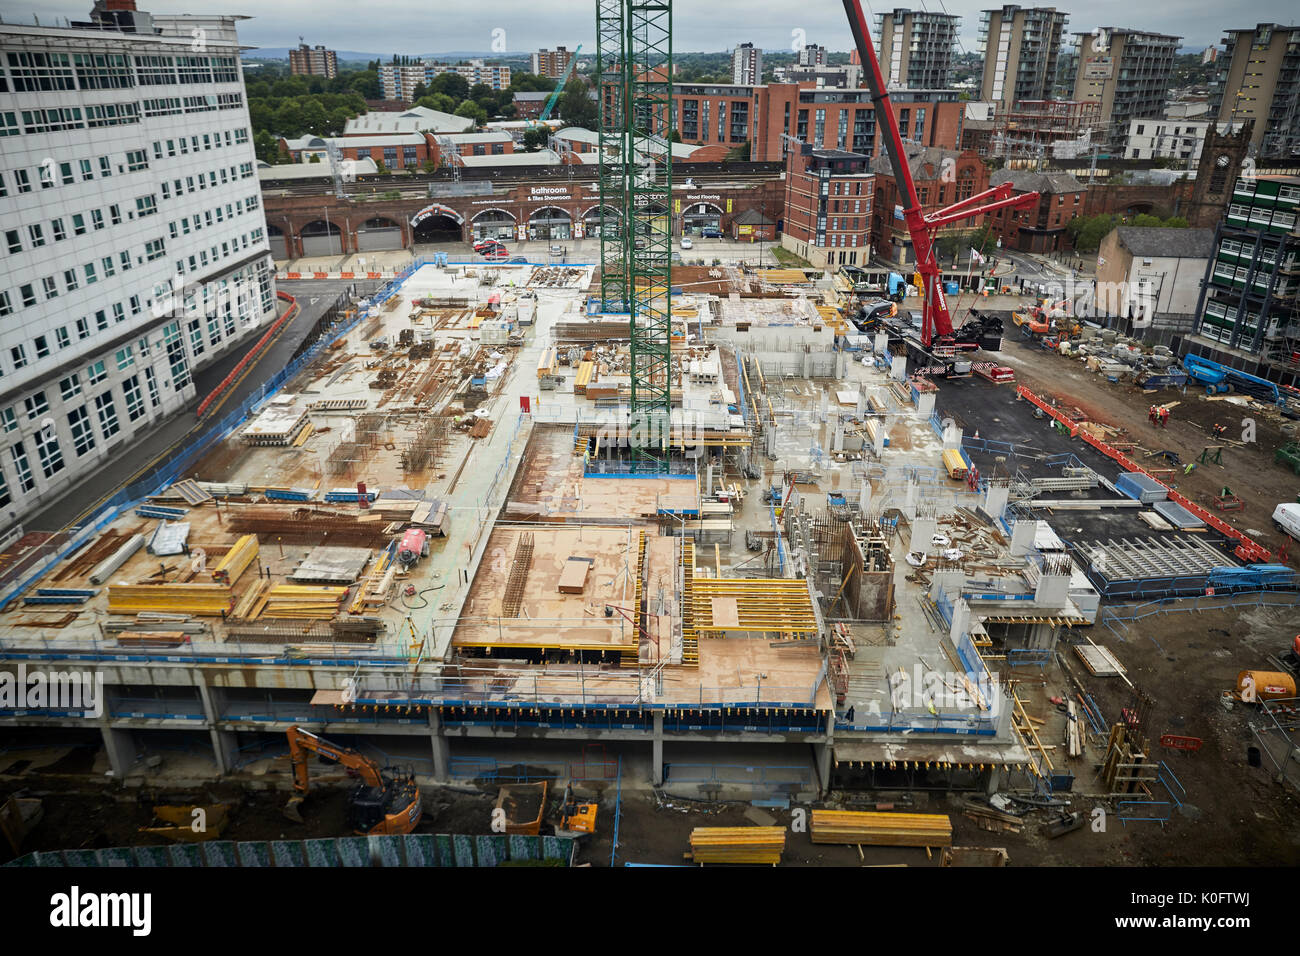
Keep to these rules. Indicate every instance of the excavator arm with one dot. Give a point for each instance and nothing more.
(301, 743)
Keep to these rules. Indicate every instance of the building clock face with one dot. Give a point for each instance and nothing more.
(1222, 162)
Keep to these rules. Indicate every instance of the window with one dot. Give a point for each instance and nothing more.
(70, 386)
(83, 435)
(8, 420)
(87, 171)
(28, 293)
(65, 173)
(97, 219)
(6, 306)
(145, 206)
(105, 167)
(96, 373)
(78, 224)
(136, 160)
(124, 358)
(50, 287)
(61, 337)
(36, 405)
(89, 269)
(115, 214)
(154, 249)
(22, 180)
(109, 268)
(57, 230)
(22, 466)
(107, 413)
(14, 240)
(40, 72)
(83, 329)
(70, 279)
(36, 234)
(134, 399)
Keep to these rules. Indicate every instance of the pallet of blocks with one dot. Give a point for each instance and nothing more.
(866, 828)
(737, 845)
(309, 601)
(200, 600)
(236, 561)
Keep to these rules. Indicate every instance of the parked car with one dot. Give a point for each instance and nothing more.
(711, 233)
(494, 252)
(1286, 518)
(486, 244)
(518, 261)
(557, 250)
(686, 242)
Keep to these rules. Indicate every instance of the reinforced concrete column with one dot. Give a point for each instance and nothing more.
(837, 441)
(995, 499)
(898, 368)
(925, 403)
(823, 753)
(657, 749)
(1022, 536)
(441, 748)
(225, 744)
(882, 343)
(994, 781)
(952, 435)
(119, 746)
(864, 496)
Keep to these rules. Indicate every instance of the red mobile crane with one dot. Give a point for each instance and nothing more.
(936, 325)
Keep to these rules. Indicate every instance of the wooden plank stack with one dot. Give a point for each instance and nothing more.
(202, 600)
(236, 560)
(309, 601)
(737, 845)
(881, 829)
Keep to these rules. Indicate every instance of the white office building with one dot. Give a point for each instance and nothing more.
(1170, 138)
(134, 246)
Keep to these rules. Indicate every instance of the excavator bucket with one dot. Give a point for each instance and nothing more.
(291, 808)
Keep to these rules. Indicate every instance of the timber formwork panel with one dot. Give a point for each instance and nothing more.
(690, 636)
(780, 606)
(631, 656)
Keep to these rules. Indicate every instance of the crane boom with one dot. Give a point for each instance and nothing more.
(559, 87)
(936, 326)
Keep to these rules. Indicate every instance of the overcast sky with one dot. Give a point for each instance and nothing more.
(426, 26)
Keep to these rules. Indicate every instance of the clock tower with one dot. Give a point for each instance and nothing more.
(1224, 158)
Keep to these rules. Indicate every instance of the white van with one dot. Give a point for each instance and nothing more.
(1287, 518)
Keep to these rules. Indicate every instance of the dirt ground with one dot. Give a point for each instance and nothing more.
(1248, 468)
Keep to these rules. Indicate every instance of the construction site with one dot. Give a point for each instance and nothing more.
(647, 560)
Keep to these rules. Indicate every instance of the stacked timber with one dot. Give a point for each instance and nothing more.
(373, 592)
(737, 845)
(200, 600)
(253, 601)
(236, 560)
(310, 601)
(881, 829)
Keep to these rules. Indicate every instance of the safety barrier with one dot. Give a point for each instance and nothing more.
(414, 849)
(237, 372)
(1247, 549)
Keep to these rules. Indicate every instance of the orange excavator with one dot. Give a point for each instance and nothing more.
(386, 802)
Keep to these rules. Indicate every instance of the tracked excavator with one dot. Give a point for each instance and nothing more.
(386, 802)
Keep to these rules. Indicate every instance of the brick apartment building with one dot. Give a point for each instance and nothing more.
(942, 177)
(828, 206)
(1041, 229)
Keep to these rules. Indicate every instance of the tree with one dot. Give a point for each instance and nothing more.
(534, 139)
(381, 169)
(675, 136)
(420, 90)
(314, 158)
(576, 107)
(437, 101)
(521, 82)
(1146, 221)
(1176, 222)
(471, 110)
(738, 154)
(452, 84)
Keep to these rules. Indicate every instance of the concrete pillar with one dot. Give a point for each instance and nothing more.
(657, 755)
(119, 746)
(925, 403)
(994, 780)
(841, 364)
(823, 753)
(708, 480)
(995, 499)
(769, 441)
(952, 436)
(807, 365)
(1022, 536)
(909, 502)
(879, 443)
(898, 368)
(225, 748)
(960, 619)
(862, 400)
(922, 530)
(837, 441)
(823, 404)
(948, 581)
(864, 497)
(882, 342)
(1053, 590)
(441, 748)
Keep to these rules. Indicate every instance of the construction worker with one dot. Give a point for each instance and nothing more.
(1164, 418)
(1220, 431)
(1151, 414)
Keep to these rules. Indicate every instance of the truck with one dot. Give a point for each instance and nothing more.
(1286, 518)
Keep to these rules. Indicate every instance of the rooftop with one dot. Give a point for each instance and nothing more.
(1157, 242)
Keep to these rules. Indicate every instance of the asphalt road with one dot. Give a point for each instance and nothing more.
(314, 297)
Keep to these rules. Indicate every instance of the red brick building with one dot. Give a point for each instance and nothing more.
(942, 177)
(1041, 229)
(842, 119)
(828, 203)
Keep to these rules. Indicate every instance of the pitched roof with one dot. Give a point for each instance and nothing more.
(1028, 181)
(414, 120)
(1156, 242)
(918, 157)
(751, 217)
